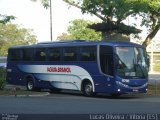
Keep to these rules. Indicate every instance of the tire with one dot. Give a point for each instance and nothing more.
(88, 89)
(30, 84)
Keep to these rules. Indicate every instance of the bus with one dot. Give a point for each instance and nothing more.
(91, 67)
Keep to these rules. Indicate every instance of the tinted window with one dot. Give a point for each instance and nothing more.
(54, 54)
(40, 54)
(70, 54)
(28, 54)
(106, 59)
(15, 54)
(104, 49)
(88, 53)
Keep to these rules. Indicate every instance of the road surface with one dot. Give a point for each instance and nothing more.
(74, 103)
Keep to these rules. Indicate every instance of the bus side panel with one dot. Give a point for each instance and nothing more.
(104, 84)
(14, 75)
(17, 77)
(101, 82)
(42, 84)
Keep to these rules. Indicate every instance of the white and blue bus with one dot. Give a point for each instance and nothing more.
(91, 67)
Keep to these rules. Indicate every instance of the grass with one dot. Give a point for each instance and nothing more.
(2, 77)
(19, 92)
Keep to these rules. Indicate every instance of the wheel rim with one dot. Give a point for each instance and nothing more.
(30, 85)
(88, 89)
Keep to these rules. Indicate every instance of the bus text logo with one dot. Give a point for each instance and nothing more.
(59, 69)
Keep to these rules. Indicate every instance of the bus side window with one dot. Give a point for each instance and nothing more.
(28, 54)
(70, 54)
(54, 54)
(40, 54)
(88, 53)
(15, 54)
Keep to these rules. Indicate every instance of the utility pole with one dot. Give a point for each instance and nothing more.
(51, 20)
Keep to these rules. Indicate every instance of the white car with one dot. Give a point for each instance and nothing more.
(3, 62)
(3, 65)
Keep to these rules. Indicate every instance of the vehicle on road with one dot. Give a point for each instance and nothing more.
(91, 67)
(3, 62)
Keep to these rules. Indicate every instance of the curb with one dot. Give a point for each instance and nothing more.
(29, 95)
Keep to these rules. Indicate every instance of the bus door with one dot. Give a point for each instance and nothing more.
(107, 66)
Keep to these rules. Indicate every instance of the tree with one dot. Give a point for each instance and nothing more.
(151, 19)
(64, 36)
(45, 3)
(12, 34)
(108, 10)
(78, 29)
(5, 19)
(111, 12)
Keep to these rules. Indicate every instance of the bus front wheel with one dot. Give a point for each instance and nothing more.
(88, 89)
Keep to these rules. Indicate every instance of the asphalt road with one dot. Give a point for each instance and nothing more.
(74, 103)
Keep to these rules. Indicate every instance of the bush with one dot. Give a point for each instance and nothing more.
(2, 77)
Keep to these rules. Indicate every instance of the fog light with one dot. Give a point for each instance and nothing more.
(146, 89)
(119, 90)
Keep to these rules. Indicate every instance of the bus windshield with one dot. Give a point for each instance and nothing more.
(131, 62)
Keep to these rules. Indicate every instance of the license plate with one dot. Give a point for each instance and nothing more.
(135, 90)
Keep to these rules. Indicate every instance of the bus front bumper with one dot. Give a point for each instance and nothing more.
(123, 88)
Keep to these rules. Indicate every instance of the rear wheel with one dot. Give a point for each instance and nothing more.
(30, 84)
(88, 89)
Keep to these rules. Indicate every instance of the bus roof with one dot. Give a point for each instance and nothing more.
(78, 43)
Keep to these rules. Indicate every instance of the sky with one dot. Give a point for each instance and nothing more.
(32, 15)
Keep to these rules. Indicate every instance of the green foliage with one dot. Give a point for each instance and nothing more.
(115, 11)
(151, 11)
(111, 12)
(11, 34)
(107, 10)
(64, 36)
(151, 19)
(45, 3)
(5, 19)
(78, 29)
(2, 77)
